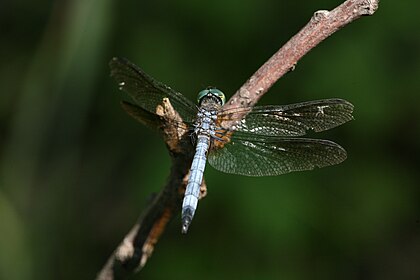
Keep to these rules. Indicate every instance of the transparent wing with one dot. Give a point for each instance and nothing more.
(292, 120)
(269, 156)
(146, 91)
(143, 116)
(154, 121)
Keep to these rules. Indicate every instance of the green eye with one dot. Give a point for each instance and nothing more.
(201, 94)
(213, 91)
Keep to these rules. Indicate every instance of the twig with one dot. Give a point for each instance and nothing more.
(322, 24)
(132, 254)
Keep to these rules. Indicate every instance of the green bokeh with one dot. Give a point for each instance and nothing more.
(76, 171)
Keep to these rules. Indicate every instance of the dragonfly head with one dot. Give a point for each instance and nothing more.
(211, 92)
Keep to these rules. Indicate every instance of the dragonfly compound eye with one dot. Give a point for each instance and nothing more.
(211, 91)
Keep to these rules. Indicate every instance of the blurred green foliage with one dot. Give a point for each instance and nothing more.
(76, 171)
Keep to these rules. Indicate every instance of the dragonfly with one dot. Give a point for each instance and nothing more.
(266, 142)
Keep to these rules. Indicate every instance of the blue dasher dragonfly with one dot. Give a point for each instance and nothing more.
(265, 142)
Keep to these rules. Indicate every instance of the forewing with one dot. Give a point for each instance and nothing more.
(275, 156)
(294, 119)
(146, 92)
(143, 116)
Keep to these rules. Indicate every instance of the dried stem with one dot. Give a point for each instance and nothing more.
(322, 24)
(131, 255)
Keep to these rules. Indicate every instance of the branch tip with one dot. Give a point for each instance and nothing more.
(368, 7)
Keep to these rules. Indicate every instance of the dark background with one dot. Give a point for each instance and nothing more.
(76, 171)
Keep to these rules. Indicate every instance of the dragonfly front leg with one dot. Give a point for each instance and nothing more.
(220, 138)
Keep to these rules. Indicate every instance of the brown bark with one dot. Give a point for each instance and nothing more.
(137, 246)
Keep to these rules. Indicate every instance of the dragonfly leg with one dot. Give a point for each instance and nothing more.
(221, 136)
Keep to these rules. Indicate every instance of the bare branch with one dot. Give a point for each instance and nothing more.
(138, 245)
(133, 252)
(322, 24)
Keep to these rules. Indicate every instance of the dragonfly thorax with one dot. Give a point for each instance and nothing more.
(205, 123)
